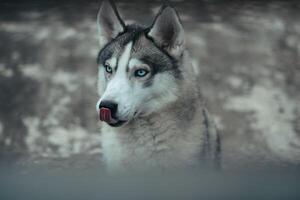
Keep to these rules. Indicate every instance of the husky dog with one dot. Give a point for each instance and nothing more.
(149, 98)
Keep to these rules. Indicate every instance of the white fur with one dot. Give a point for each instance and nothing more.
(124, 58)
(119, 88)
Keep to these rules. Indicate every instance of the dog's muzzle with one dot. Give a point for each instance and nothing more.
(107, 113)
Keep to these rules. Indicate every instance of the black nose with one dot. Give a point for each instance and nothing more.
(112, 106)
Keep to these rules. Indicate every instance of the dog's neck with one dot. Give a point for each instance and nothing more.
(168, 138)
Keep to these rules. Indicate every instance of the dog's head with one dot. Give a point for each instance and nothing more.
(139, 66)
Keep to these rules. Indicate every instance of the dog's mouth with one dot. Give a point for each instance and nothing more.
(106, 116)
(117, 123)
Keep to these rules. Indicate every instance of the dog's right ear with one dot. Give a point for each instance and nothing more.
(109, 22)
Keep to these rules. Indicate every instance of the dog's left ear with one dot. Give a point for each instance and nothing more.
(109, 22)
(167, 32)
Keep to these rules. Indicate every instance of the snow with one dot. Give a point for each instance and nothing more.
(273, 114)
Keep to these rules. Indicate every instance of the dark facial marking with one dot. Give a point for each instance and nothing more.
(104, 54)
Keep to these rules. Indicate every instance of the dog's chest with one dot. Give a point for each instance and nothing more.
(161, 145)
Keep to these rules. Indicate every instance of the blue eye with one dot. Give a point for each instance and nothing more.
(108, 68)
(140, 73)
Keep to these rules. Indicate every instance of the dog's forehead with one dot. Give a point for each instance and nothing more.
(142, 46)
(116, 47)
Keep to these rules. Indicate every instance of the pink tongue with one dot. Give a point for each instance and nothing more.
(105, 115)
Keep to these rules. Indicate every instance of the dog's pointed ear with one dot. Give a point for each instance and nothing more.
(167, 31)
(109, 22)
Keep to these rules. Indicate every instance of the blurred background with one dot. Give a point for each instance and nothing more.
(247, 52)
